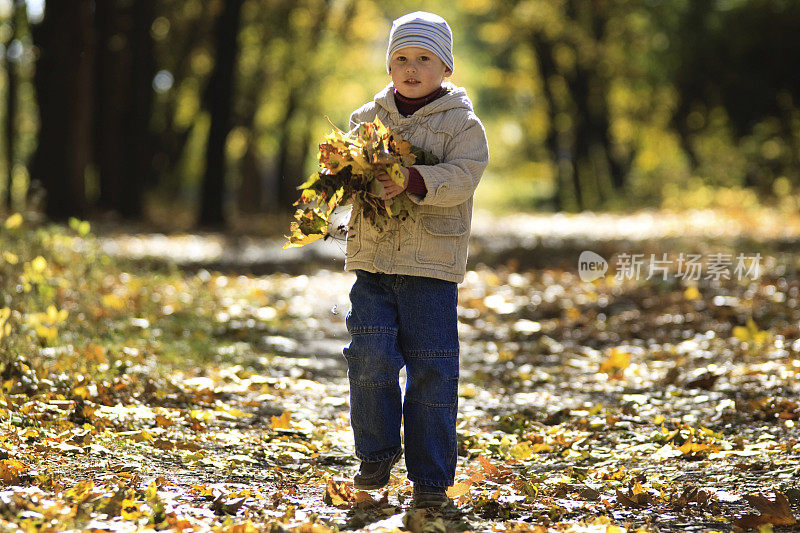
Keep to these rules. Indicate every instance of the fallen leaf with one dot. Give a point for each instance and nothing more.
(704, 381)
(521, 451)
(163, 444)
(541, 448)
(617, 361)
(636, 498)
(363, 500)
(242, 459)
(130, 509)
(459, 489)
(338, 494)
(627, 501)
(694, 450)
(222, 505)
(281, 422)
(164, 422)
(418, 521)
(776, 513)
(10, 471)
(750, 333)
(191, 446)
(588, 493)
(689, 495)
(493, 472)
(80, 490)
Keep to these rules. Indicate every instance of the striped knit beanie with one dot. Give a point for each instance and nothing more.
(425, 30)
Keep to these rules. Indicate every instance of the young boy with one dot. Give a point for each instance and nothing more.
(404, 298)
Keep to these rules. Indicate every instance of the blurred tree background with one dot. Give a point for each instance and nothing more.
(208, 112)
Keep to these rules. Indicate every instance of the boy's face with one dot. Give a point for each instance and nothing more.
(416, 72)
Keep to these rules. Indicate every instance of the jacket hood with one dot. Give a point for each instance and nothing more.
(456, 97)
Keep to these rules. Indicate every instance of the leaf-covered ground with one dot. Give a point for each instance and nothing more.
(143, 396)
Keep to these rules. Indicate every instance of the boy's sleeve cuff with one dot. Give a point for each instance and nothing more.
(416, 185)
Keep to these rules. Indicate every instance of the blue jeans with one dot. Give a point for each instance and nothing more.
(410, 321)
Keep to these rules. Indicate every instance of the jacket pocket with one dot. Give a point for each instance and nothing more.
(440, 239)
(354, 233)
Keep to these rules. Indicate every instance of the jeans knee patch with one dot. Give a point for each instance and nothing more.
(373, 359)
(433, 381)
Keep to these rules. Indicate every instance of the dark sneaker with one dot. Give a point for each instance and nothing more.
(426, 497)
(372, 476)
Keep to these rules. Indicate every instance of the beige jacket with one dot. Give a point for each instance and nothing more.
(433, 243)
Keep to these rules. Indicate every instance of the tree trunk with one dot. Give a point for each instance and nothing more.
(138, 138)
(219, 102)
(63, 82)
(567, 195)
(295, 137)
(617, 170)
(692, 26)
(587, 169)
(111, 97)
(123, 98)
(250, 196)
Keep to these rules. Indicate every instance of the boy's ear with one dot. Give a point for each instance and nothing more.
(447, 72)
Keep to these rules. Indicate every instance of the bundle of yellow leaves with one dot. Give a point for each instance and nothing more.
(349, 164)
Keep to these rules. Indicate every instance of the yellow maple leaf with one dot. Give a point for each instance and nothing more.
(79, 492)
(617, 361)
(337, 136)
(359, 161)
(396, 175)
(401, 146)
(297, 242)
(196, 456)
(130, 509)
(521, 451)
(541, 447)
(750, 333)
(143, 436)
(691, 293)
(690, 448)
(82, 391)
(380, 129)
(10, 471)
(281, 422)
(302, 232)
(459, 489)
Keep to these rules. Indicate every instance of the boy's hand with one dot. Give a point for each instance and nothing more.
(391, 189)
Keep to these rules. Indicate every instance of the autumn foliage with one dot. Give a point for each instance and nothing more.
(349, 165)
